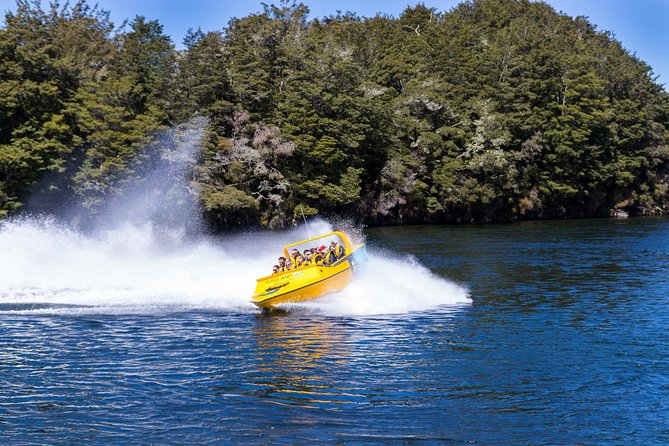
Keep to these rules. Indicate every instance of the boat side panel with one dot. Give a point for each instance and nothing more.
(330, 284)
(287, 279)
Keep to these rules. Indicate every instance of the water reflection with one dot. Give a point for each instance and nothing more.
(296, 359)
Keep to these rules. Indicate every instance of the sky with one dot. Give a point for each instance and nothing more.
(642, 26)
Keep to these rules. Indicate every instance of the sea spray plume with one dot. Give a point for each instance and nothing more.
(126, 269)
(48, 267)
(162, 195)
(390, 284)
(154, 189)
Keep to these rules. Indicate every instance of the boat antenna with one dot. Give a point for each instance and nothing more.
(305, 220)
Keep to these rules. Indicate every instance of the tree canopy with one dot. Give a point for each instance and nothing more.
(496, 110)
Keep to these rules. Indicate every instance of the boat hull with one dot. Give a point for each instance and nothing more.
(331, 284)
(307, 283)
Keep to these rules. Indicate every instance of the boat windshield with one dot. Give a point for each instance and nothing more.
(315, 243)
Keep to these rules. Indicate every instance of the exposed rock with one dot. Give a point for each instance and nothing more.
(618, 213)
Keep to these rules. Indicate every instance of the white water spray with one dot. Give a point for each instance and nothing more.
(47, 267)
(142, 262)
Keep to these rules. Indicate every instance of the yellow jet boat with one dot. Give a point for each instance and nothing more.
(311, 281)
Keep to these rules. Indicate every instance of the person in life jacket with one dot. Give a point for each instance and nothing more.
(330, 255)
(318, 255)
(289, 265)
(299, 261)
(293, 255)
(308, 257)
(338, 250)
(282, 263)
(275, 269)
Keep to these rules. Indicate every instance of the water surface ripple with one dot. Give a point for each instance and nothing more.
(565, 342)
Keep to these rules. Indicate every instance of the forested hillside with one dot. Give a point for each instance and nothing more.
(494, 111)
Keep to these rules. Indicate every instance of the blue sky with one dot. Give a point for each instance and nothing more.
(641, 25)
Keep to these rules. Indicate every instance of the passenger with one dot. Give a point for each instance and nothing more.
(308, 257)
(329, 257)
(338, 250)
(289, 265)
(276, 269)
(293, 254)
(282, 263)
(299, 261)
(317, 256)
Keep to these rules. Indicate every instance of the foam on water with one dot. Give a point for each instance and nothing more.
(48, 267)
(392, 285)
(130, 266)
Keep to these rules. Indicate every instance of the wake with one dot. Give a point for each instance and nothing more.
(48, 267)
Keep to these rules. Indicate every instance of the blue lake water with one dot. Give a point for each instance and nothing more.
(565, 341)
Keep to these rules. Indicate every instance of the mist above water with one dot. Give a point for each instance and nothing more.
(148, 254)
(163, 195)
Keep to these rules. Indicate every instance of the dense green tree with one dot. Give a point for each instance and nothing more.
(46, 57)
(335, 124)
(122, 111)
(493, 111)
(203, 84)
